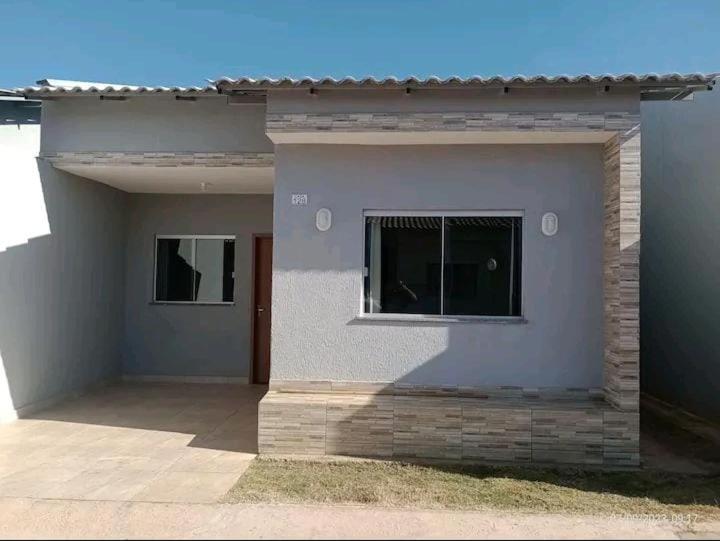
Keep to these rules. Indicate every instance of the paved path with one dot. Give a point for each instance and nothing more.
(26, 518)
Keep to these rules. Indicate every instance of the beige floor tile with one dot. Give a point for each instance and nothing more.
(35, 482)
(213, 461)
(118, 485)
(188, 487)
(165, 442)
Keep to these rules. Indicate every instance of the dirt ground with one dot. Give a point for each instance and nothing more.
(674, 443)
(132, 520)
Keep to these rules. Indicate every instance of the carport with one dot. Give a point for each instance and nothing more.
(157, 442)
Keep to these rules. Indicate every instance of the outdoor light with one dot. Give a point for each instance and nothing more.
(549, 224)
(323, 219)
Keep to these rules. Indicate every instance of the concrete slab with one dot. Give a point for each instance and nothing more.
(152, 442)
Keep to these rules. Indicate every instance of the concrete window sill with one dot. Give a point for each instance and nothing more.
(409, 319)
(181, 303)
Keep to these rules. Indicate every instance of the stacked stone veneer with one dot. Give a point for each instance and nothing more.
(457, 121)
(163, 159)
(455, 424)
(622, 270)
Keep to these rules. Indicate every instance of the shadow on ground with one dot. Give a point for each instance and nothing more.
(393, 484)
(221, 417)
(667, 446)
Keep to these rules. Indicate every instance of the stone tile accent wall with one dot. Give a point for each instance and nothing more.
(360, 425)
(462, 121)
(496, 434)
(577, 426)
(291, 422)
(450, 428)
(164, 159)
(507, 393)
(622, 270)
(621, 438)
(567, 437)
(427, 427)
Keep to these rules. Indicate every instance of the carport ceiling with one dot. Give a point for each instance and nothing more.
(139, 179)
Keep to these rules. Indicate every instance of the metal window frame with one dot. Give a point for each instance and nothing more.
(194, 238)
(509, 213)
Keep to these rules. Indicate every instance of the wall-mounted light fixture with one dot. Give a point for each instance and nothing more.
(323, 219)
(549, 224)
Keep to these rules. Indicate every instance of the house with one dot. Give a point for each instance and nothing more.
(680, 344)
(423, 268)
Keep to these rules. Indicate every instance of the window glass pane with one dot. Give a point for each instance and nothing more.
(209, 267)
(228, 270)
(174, 274)
(482, 266)
(402, 260)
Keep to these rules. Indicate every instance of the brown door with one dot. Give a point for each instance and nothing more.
(262, 296)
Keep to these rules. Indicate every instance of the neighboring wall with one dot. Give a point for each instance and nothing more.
(190, 340)
(318, 276)
(680, 256)
(22, 215)
(61, 294)
(154, 123)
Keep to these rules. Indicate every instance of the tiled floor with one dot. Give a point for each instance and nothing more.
(139, 442)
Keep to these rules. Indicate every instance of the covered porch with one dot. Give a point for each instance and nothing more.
(197, 256)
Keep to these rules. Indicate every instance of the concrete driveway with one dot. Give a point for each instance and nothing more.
(178, 443)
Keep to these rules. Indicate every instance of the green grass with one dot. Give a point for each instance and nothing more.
(394, 484)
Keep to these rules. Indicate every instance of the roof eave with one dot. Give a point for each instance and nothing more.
(48, 92)
(642, 82)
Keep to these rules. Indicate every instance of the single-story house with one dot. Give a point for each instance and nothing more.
(418, 268)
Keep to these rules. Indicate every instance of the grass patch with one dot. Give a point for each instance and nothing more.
(394, 484)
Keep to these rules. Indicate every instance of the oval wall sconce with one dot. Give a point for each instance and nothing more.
(323, 219)
(549, 224)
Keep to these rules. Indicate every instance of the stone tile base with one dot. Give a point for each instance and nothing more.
(588, 432)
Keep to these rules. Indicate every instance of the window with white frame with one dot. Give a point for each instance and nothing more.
(194, 268)
(443, 263)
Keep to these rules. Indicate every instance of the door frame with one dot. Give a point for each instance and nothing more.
(253, 260)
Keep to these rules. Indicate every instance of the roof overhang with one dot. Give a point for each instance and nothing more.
(652, 85)
(659, 86)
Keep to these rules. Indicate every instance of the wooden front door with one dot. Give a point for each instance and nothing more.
(262, 316)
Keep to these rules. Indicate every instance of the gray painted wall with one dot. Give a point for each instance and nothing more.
(680, 258)
(190, 340)
(318, 276)
(61, 315)
(156, 123)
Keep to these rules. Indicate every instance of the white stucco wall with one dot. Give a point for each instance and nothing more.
(62, 243)
(317, 278)
(22, 209)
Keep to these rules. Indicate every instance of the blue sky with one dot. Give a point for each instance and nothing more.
(184, 42)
